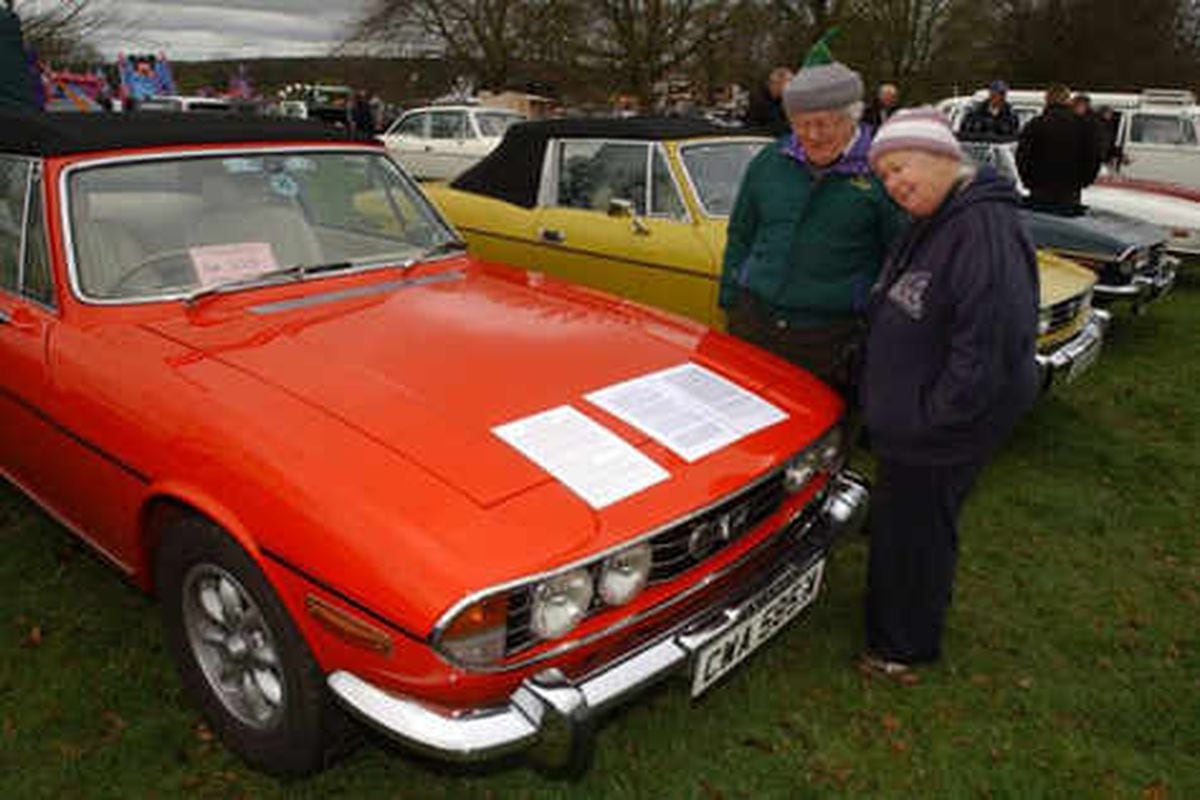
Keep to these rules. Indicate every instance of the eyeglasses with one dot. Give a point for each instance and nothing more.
(821, 126)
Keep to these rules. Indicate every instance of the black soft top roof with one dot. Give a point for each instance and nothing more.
(513, 170)
(51, 134)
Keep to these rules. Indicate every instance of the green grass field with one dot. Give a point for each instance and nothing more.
(1072, 662)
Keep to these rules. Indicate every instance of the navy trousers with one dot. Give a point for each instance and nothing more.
(914, 547)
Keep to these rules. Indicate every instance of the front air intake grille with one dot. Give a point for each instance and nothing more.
(674, 550)
(1063, 313)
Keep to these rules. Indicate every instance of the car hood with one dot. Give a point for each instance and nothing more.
(1163, 209)
(429, 363)
(1061, 279)
(1095, 233)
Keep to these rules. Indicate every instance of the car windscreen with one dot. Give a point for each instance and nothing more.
(165, 227)
(716, 170)
(999, 157)
(495, 124)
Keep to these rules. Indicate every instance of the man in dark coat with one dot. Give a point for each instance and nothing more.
(886, 103)
(994, 116)
(1057, 154)
(949, 369)
(765, 112)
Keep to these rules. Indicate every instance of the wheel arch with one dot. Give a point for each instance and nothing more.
(166, 505)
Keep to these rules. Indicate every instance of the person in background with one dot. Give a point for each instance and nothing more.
(765, 111)
(1056, 154)
(1110, 151)
(948, 371)
(887, 101)
(809, 228)
(362, 120)
(1081, 104)
(994, 116)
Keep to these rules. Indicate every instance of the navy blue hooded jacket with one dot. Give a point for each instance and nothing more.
(949, 364)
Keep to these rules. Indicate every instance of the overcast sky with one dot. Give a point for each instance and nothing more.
(200, 29)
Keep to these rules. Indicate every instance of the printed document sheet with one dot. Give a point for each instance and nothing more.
(689, 409)
(587, 458)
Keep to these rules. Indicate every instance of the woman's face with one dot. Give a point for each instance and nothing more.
(918, 181)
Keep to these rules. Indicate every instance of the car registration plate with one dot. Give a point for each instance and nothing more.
(776, 606)
(1083, 361)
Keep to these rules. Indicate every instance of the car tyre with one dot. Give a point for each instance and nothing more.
(240, 657)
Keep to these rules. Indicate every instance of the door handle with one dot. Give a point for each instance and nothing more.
(18, 319)
(552, 235)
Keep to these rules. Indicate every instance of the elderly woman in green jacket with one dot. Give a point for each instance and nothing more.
(809, 229)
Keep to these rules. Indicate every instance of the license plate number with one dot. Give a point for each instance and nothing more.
(733, 647)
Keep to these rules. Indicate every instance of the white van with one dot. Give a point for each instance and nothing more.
(1156, 128)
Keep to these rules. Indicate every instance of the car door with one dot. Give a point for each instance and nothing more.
(612, 216)
(451, 138)
(408, 141)
(27, 322)
(1162, 146)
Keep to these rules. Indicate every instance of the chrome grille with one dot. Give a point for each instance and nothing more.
(675, 550)
(1063, 313)
(1152, 263)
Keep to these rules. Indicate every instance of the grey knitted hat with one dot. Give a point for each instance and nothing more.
(822, 87)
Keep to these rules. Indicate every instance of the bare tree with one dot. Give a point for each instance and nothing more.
(642, 41)
(902, 35)
(63, 33)
(487, 36)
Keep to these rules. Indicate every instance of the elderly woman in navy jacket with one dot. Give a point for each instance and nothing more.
(949, 368)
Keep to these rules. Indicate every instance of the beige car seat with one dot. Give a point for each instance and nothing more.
(235, 210)
(104, 251)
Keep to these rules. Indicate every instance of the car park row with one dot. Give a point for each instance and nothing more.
(460, 496)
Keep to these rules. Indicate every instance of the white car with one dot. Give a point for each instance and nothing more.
(1156, 128)
(1179, 214)
(439, 142)
(181, 103)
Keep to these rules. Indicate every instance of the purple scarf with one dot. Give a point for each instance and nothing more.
(852, 162)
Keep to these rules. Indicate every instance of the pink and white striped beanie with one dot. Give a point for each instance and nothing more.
(921, 128)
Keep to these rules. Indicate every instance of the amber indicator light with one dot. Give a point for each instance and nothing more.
(346, 627)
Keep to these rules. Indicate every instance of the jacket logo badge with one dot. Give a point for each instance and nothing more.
(859, 182)
(909, 293)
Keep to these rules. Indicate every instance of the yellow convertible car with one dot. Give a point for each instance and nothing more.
(638, 207)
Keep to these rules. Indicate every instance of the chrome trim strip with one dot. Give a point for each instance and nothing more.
(22, 248)
(213, 152)
(357, 291)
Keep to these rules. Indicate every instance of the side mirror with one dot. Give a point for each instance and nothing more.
(618, 207)
(621, 208)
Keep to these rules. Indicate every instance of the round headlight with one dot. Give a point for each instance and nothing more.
(830, 454)
(800, 471)
(624, 574)
(560, 602)
(1044, 317)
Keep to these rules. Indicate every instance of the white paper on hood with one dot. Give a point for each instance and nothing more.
(587, 458)
(691, 410)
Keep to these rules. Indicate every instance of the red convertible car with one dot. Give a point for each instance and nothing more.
(251, 366)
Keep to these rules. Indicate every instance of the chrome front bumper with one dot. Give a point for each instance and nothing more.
(552, 713)
(1143, 289)
(1068, 360)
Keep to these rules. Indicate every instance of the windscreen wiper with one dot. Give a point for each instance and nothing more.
(294, 272)
(441, 248)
